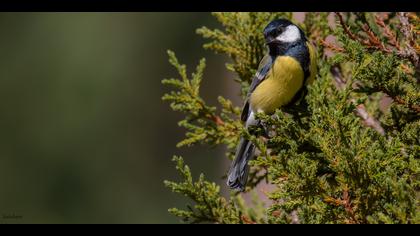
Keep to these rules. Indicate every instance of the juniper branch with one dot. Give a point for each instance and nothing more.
(325, 164)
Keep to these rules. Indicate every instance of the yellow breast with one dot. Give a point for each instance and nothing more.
(282, 82)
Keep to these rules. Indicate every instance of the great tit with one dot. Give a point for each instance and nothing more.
(281, 80)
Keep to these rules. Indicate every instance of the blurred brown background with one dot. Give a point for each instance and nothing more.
(84, 135)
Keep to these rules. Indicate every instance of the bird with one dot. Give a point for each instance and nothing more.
(281, 80)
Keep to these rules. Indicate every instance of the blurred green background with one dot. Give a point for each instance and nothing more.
(84, 135)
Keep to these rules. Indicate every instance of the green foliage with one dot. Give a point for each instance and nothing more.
(340, 156)
(202, 122)
(210, 207)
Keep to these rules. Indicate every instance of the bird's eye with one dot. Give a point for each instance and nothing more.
(280, 30)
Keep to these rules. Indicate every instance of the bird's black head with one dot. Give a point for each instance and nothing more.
(280, 33)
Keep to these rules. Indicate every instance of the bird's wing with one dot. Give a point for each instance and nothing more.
(263, 69)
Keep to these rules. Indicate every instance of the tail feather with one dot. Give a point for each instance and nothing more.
(238, 173)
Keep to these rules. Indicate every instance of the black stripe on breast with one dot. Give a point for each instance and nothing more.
(300, 52)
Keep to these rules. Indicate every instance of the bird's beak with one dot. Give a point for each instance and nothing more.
(270, 40)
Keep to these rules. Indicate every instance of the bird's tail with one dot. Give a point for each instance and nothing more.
(238, 173)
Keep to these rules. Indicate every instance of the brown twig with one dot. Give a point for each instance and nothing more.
(407, 69)
(246, 220)
(411, 51)
(385, 16)
(345, 202)
(331, 46)
(411, 48)
(208, 114)
(369, 120)
(346, 29)
(373, 41)
(406, 27)
(217, 120)
(401, 101)
(276, 213)
(347, 205)
(333, 201)
(389, 34)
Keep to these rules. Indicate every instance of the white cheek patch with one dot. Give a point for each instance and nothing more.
(290, 34)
